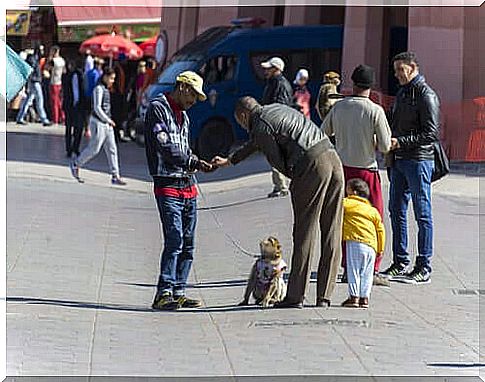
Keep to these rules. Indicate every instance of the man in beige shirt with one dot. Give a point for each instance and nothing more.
(360, 126)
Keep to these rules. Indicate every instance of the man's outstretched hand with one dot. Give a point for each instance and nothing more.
(220, 161)
(205, 166)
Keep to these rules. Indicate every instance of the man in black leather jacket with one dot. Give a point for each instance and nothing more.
(415, 125)
(277, 90)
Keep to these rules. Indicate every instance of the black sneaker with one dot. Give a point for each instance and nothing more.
(344, 279)
(394, 272)
(277, 194)
(117, 181)
(417, 276)
(185, 302)
(75, 170)
(164, 301)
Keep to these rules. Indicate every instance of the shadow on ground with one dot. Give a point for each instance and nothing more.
(49, 149)
(123, 308)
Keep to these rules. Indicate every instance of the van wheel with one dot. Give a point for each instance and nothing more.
(215, 138)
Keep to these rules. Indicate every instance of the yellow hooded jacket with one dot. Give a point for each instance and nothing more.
(362, 223)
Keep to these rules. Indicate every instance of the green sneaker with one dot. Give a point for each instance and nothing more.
(164, 301)
(185, 302)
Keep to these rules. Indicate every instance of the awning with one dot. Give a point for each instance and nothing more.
(110, 14)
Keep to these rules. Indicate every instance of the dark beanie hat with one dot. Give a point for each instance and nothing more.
(363, 76)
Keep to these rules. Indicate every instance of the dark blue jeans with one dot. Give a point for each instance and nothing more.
(411, 179)
(178, 217)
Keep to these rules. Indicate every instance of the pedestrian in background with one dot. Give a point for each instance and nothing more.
(73, 104)
(57, 69)
(277, 90)
(90, 81)
(299, 149)
(118, 106)
(415, 126)
(364, 236)
(44, 64)
(34, 92)
(331, 80)
(140, 80)
(172, 166)
(102, 134)
(359, 126)
(88, 61)
(301, 93)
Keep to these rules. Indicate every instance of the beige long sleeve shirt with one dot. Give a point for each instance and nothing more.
(360, 126)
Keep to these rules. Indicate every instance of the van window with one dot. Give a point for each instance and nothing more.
(198, 47)
(172, 71)
(317, 61)
(219, 69)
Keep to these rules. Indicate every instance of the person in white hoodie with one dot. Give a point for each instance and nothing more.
(102, 134)
(57, 69)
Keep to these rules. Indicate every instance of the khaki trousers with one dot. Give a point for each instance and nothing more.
(280, 182)
(317, 197)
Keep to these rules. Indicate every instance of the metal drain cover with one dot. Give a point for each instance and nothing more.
(469, 292)
(311, 322)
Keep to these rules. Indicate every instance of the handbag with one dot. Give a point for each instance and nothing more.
(441, 162)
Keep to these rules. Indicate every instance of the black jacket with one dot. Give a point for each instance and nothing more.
(278, 90)
(67, 90)
(33, 61)
(415, 120)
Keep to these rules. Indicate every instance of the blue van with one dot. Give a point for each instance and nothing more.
(228, 58)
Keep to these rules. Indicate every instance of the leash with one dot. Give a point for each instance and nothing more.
(233, 241)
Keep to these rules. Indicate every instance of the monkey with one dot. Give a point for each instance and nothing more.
(266, 278)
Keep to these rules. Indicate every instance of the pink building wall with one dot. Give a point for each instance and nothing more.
(436, 36)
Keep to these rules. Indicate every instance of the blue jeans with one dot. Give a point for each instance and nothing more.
(34, 91)
(411, 179)
(178, 217)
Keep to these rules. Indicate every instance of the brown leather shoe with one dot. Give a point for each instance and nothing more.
(351, 302)
(363, 302)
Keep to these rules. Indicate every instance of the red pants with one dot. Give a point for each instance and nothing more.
(56, 104)
(373, 180)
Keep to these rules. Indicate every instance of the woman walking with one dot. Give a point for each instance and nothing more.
(102, 134)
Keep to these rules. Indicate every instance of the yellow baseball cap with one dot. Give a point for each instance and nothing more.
(195, 81)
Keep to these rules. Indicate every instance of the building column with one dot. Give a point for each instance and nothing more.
(211, 16)
(363, 31)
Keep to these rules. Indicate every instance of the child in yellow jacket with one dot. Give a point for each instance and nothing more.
(364, 236)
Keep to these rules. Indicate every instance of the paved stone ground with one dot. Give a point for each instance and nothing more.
(82, 260)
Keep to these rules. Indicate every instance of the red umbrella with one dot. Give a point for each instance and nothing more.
(149, 46)
(111, 45)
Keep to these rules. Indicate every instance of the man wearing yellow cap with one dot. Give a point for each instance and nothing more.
(172, 165)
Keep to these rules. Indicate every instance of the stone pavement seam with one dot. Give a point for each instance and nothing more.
(216, 326)
(450, 269)
(347, 344)
(354, 352)
(22, 246)
(98, 296)
(414, 312)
